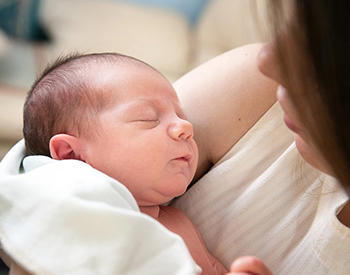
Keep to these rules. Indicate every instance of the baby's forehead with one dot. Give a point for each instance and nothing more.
(117, 80)
(106, 73)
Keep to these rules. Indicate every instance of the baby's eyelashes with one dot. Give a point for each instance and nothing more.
(148, 122)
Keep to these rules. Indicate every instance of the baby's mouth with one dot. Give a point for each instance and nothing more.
(185, 158)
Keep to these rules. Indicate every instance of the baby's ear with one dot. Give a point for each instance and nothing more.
(64, 146)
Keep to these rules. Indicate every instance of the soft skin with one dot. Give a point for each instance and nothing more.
(143, 129)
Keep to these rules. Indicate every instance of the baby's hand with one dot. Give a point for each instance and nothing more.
(248, 265)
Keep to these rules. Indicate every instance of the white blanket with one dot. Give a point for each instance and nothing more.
(64, 217)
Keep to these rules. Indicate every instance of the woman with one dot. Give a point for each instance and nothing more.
(309, 60)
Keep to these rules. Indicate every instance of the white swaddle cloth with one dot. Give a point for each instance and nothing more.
(64, 217)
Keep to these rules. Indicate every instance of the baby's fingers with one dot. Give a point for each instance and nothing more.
(249, 265)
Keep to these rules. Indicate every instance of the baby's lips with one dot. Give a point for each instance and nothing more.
(187, 157)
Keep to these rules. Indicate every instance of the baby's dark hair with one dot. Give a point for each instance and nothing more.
(62, 99)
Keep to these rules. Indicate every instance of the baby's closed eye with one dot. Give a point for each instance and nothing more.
(148, 122)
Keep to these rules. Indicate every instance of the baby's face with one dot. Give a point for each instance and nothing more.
(144, 140)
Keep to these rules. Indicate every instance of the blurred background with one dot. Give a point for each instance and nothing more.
(173, 36)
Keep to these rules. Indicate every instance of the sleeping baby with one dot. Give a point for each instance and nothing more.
(123, 118)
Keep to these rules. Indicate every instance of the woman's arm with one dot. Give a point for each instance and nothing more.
(224, 98)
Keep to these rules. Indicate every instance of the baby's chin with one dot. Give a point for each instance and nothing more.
(165, 200)
(174, 197)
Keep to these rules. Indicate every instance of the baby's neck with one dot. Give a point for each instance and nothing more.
(152, 210)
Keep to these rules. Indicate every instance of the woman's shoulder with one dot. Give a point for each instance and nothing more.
(224, 98)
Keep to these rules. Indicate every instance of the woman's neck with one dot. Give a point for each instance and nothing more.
(344, 215)
(152, 210)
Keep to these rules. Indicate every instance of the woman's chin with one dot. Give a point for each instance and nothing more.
(312, 156)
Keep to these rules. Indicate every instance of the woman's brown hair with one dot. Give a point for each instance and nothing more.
(315, 60)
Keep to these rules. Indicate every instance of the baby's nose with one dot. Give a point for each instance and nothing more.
(181, 129)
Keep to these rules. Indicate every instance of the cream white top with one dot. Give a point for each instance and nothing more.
(262, 199)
